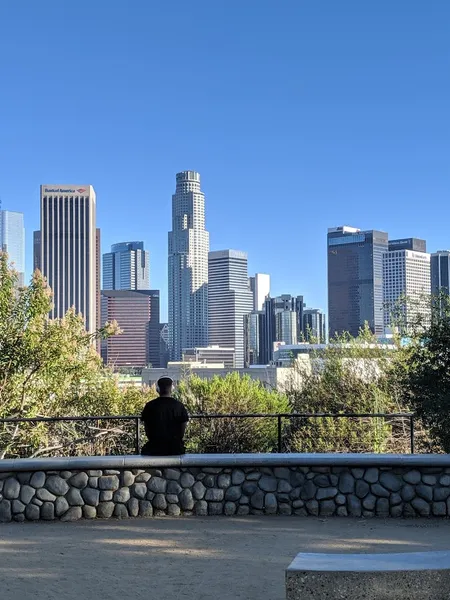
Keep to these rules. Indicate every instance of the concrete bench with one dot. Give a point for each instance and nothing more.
(409, 575)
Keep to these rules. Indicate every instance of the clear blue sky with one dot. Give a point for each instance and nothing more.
(298, 114)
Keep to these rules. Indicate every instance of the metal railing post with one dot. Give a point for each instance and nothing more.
(279, 433)
(411, 433)
(138, 436)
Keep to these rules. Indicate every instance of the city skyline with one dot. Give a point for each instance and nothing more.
(119, 248)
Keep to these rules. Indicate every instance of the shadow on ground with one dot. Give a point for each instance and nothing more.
(186, 559)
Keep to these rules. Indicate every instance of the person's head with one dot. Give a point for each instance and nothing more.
(164, 386)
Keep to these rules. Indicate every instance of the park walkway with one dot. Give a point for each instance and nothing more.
(186, 558)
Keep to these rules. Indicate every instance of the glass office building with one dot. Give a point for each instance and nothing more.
(440, 272)
(126, 267)
(355, 279)
(12, 241)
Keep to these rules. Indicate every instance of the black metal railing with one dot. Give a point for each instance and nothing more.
(260, 432)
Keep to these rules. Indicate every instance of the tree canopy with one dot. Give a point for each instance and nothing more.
(49, 367)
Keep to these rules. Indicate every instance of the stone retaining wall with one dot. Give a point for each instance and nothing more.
(353, 488)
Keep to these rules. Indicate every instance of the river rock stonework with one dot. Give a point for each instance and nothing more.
(301, 491)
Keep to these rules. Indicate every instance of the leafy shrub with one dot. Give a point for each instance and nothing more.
(231, 394)
(351, 376)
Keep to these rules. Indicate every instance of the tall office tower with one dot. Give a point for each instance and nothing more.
(407, 283)
(126, 267)
(229, 300)
(98, 288)
(254, 339)
(68, 249)
(137, 314)
(188, 267)
(279, 316)
(314, 325)
(286, 327)
(260, 288)
(440, 272)
(355, 279)
(37, 250)
(12, 241)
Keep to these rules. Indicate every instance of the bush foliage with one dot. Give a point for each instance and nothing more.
(50, 368)
(350, 376)
(231, 395)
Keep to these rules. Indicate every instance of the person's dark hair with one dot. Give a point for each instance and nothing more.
(164, 385)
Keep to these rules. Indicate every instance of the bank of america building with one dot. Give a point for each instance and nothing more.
(68, 249)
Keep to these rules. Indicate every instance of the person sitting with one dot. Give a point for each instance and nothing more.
(165, 420)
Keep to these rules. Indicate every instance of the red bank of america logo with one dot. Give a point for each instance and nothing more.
(81, 190)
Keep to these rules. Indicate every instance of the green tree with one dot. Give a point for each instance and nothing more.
(231, 394)
(349, 376)
(426, 376)
(50, 368)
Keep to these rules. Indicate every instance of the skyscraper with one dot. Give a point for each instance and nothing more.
(440, 272)
(68, 249)
(407, 283)
(98, 289)
(314, 325)
(260, 288)
(126, 267)
(12, 241)
(286, 327)
(188, 266)
(355, 279)
(254, 338)
(282, 322)
(229, 300)
(137, 314)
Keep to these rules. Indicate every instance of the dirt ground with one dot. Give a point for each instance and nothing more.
(186, 559)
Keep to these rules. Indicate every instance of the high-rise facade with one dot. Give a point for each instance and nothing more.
(314, 325)
(98, 286)
(355, 280)
(407, 283)
(440, 272)
(137, 315)
(229, 300)
(254, 338)
(286, 327)
(68, 249)
(188, 266)
(37, 250)
(282, 321)
(260, 288)
(126, 267)
(12, 241)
